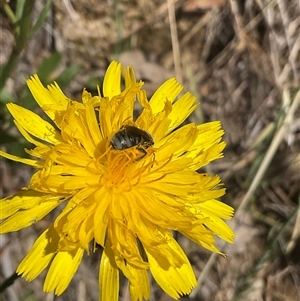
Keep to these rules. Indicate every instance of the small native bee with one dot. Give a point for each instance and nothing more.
(129, 136)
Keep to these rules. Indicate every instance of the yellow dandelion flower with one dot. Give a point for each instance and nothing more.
(127, 182)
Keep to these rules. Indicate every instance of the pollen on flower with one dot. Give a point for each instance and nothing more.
(125, 169)
(127, 182)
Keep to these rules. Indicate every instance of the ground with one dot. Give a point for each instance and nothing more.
(242, 61)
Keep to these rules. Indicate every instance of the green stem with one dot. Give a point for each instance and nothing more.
(21, 39)
(10, 14)
(8, 282)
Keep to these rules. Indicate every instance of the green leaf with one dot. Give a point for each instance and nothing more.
(93, 82)
(6, 97)
(67, 75)
(19, 9)
(48, 66)
(41, 18)
(24, 25)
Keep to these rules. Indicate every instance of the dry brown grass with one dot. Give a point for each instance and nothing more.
(242, 59)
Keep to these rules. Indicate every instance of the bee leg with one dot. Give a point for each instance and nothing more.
(141, 149)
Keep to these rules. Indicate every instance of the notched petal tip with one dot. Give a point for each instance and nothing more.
(62, 270)
(108, 276)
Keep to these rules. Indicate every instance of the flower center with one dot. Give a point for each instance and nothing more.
(124, 169)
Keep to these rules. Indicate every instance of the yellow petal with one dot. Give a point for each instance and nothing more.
(158, 125)
(75, 129)
(182, 108)
(30, 162)
(34, 124)
(93, 124)
(169, 90)
(40, 255)
(50, 100)
(139, 290)
(203, 237)
(26, 218)
(62, 270)
(29, 138)
(25, 199)
(129, 76)
(112, 80)
(177, 142)
(101, 216)
(220, 228)
(217, 208)
(168, 216)
(175, 280)
(207, 143)
(108, 277)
